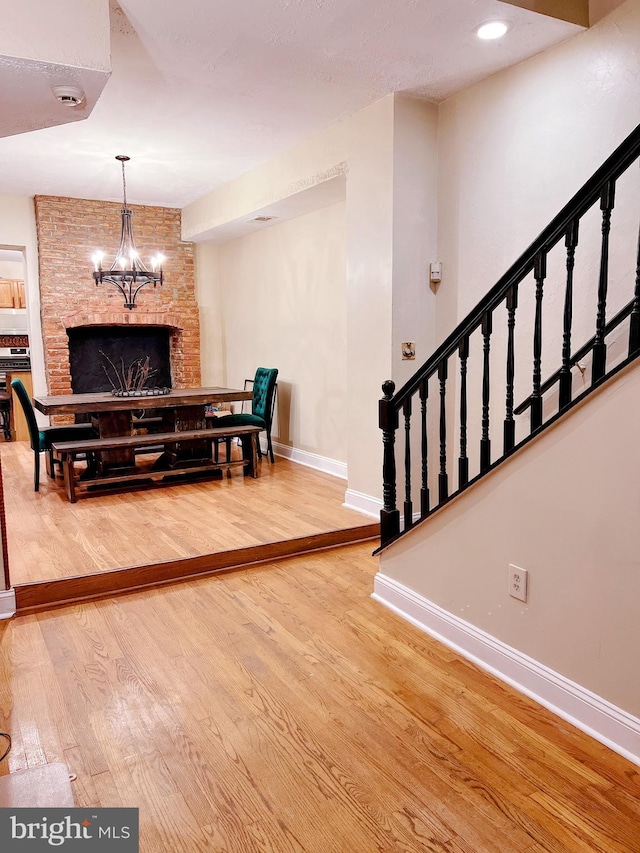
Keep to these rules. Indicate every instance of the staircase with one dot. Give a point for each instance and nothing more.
(481, 396)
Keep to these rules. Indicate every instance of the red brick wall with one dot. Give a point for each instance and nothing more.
(70, 230)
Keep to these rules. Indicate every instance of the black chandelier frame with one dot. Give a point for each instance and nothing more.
(129, 281)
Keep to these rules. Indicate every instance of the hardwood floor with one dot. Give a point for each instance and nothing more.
(279, 708)
(50, 538)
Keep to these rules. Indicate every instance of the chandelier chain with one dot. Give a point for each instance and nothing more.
(124, 187)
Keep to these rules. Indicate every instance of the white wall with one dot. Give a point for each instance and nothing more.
(512, 151)
(207, 284)
(283, 304)
(566, 508)
(516, 147)
(18, 231)
(11, 269)
(389, 227)
(369, 229)
(415, 231)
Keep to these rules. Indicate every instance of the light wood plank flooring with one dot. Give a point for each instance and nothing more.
(49, 538)
(279, 708)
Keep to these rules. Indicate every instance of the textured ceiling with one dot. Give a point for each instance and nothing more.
(202, 91)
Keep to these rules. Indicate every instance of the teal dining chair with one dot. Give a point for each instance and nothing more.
(41, 438)
(262, 406)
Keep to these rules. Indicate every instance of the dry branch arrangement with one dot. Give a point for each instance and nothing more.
(131, 380)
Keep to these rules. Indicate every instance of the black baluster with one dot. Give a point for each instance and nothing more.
(540, 272)
(509, 422)
(485, 441)
(599, 356)
(564, 388)
(634, 319)
(443, 480)
(463, 461)
(424, 491)
(408, 505)
(388, 421)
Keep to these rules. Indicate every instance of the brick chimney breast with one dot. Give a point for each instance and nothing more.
(69, 232)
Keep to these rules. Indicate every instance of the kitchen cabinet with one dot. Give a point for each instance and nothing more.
(12, 293)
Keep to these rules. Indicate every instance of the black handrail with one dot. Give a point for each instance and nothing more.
(610, 170)
(577, 355)
(601, 187)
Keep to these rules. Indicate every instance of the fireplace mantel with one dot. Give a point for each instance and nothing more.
(121, 318)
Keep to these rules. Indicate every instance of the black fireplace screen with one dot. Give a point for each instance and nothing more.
(100, 356)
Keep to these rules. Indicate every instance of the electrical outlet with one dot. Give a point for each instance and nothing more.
(518, 582)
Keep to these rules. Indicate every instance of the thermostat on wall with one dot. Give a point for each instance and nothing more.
(435, 272)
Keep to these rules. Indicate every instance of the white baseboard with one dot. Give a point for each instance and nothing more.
(311, 460)
(7, 603)
(592, 714)
(362, 503)
(352, 500)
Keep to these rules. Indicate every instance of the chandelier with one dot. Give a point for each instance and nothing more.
(127, 272)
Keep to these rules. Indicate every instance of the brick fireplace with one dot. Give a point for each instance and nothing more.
(69, 232)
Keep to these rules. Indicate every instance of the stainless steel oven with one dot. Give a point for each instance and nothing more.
(13, 359)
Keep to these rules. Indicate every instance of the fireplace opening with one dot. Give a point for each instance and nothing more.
(99, 356)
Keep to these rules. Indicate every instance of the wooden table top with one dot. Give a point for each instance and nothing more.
(104, 401)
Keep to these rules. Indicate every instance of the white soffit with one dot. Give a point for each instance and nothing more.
(313, 198)
(202, 92)
(28, 102)
(45, 44)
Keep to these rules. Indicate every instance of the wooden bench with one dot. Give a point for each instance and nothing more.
(177, 446)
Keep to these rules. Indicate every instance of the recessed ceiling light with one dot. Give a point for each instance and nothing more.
(492, 30)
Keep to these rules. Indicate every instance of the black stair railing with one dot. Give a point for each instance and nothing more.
(599, 191)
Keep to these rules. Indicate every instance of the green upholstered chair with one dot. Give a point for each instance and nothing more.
(262, 406)
(41, 438)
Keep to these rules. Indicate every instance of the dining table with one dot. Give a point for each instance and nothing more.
(177, 410)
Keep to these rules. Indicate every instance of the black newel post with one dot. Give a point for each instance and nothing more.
(388, 422)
